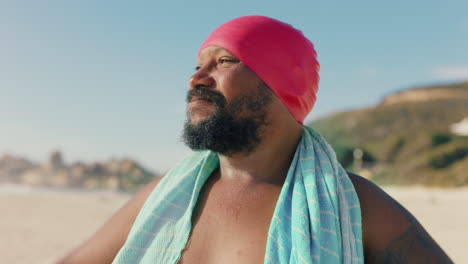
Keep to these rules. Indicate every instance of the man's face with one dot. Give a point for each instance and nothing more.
(227, 105)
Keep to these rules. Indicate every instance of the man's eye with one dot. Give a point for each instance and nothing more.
(197, 68)
(224, 60)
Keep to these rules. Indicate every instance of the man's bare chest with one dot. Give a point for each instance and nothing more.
(230, 226)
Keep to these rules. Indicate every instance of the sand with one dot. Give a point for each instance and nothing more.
(40, 225)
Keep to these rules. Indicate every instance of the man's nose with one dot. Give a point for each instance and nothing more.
(201, 78)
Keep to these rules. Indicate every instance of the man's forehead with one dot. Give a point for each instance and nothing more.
(213, 51)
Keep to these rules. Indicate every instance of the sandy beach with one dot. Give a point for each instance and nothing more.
(40, 225)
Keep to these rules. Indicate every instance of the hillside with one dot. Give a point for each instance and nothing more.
(407, 138)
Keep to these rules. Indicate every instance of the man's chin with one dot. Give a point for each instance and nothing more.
(197, 117)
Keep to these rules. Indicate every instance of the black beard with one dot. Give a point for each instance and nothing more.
(223, 132)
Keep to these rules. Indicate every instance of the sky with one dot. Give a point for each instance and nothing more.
(107, 79)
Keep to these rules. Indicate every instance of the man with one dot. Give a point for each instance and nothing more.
(260, 187)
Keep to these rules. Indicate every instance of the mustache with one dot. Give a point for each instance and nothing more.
(203, 93)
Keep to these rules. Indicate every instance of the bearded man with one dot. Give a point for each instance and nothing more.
(260, 187)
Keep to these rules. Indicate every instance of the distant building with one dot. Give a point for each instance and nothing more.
(55, 161)
(460, 128)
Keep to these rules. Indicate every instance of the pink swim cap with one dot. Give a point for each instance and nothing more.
(280, 55)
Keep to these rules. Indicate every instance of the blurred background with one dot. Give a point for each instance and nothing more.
(92, 106)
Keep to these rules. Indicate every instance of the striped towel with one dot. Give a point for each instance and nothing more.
(317, 218)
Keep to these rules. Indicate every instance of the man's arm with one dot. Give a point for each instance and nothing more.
(390, 233)
(104, 245)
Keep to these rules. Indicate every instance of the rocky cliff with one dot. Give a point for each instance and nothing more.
(116, 174)
(430, 93)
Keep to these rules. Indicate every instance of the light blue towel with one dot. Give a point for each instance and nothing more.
(317, 218)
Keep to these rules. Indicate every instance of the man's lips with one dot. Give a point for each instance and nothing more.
(196, 103)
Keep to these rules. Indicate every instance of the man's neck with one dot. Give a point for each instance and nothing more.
(268, 163)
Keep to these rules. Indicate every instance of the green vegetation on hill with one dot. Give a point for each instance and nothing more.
(409, 138)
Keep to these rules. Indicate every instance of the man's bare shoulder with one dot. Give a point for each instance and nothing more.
(103, 246)
(390, 233)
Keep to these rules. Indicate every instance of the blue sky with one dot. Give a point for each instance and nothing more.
(108, 79)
